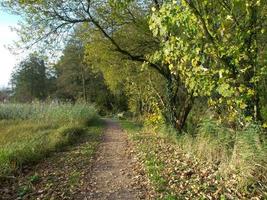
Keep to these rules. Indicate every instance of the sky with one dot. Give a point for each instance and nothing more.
(7, 60)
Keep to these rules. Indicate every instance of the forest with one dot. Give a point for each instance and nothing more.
(185, 79)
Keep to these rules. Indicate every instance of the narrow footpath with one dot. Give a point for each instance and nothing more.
(115, 172)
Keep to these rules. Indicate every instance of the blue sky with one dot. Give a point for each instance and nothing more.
(7, 60)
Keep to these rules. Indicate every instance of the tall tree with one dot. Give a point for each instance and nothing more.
(77, 80)
(29, 80)
(72, 74)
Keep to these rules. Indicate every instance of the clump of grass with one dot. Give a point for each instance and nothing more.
(131, 126)
(30, 132)
(213, 142)
(249, 157)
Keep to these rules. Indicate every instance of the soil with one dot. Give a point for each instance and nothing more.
(115, 173)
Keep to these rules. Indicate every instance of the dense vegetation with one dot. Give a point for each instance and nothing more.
(30, 132)
(193, 70)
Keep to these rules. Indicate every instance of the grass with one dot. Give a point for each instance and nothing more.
(241, 153)
(131, 126)
(30, 132)
(215, 162)
(63, 174)
(153, 165)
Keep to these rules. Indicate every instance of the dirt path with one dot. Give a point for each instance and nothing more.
(77, 173)
(115, 173)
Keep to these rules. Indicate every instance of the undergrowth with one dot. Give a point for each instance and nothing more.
(241, 155)
(214, 162)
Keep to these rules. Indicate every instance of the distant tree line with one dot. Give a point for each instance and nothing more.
(70, 79)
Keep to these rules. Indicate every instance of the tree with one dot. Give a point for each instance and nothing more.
(72, 74)
(76, 80)
(216, 47)
(29, 80)
(123, 75)
(210, 48)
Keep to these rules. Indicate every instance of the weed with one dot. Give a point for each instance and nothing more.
(23, 190)
(34, 178)
(74, 178)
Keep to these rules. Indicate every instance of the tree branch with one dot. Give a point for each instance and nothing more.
(224, 59)
(157, 4)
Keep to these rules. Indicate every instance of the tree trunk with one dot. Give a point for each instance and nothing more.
(184, 112)
(177, 112)
(257, 113)
(84, 84)
(253, 108)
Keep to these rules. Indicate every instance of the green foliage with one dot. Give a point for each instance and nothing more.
(78, 81)
(215, 49)
(119, 42)
(30, 80)
(34, 178)
(164, 61)
(216, 53)
(133, 87)
(23, 190)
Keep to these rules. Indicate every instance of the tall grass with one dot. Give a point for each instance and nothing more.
(238, 153)
(29, 132)
(231, 161)
(62, 113)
